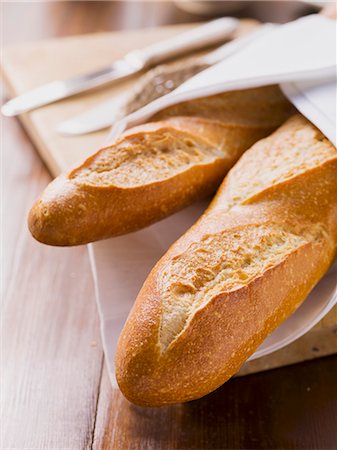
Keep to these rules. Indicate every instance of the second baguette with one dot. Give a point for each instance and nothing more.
(267, 238)
(156, 169)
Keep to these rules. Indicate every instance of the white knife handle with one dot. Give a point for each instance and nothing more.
(201, 36)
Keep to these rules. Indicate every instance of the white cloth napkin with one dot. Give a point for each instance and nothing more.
(317, 102)
(301, 56)
(303, 51)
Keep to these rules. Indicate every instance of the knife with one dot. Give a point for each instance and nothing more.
(157, 82)
(132, 63)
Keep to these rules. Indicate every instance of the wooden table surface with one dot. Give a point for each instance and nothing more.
(55, 390)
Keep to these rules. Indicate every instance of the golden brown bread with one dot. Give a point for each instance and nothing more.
(156, 169)
(267, 238)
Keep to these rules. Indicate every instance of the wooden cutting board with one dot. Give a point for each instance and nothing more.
(29, 65)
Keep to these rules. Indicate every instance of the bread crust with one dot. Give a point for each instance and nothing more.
(111, 194)
(296, 207)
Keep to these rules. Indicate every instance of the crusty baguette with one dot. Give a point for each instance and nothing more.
(156, 169)
(267, 238)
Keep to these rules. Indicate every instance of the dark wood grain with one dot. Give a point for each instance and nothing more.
(55, 395)
(51, 356)
(289, 408)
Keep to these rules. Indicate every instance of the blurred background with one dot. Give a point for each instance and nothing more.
(35, 20)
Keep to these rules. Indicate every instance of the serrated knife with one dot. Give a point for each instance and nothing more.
(133, 62)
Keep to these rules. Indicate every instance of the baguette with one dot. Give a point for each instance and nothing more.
(267, 238)
(156, 169)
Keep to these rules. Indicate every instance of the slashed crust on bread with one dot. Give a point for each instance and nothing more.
(267, 238)
(155, 169)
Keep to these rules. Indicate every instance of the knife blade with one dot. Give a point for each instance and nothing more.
(135, 61)
(57, 90)
(155, 83)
